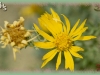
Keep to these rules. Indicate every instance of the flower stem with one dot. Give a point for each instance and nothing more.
(33, 38)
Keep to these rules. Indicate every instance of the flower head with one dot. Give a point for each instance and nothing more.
(61, 39)
(15, 35)
(31, 10)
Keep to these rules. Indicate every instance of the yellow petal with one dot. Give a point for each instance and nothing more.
(80, 32)
(78, 35)
(64, 28)
(58, 26)
(67, 23)
(58, 61)
(47, 15)
(45, 45)
(42, 25)
(47, 55)
(47, 24)
(69, 63)
(86, 37)
(77, 48)
(45, 35)
(57, 19)
(55, 15)
(76, 38)
(49, 59)
(53, 26)
(80, 27)
(73, 29)
(75, 54)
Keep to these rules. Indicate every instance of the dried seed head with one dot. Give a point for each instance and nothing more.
(15, 33)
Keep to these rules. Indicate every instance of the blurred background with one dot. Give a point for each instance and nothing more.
(30, 59)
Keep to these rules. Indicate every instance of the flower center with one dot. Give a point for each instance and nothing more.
(16, 34)
(63, 42)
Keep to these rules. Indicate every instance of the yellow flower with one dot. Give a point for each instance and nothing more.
(31, 10)
(42, 21)
(15, 35)
(61, 39)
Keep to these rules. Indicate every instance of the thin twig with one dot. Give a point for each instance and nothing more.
(31, 30)
(32, 38)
